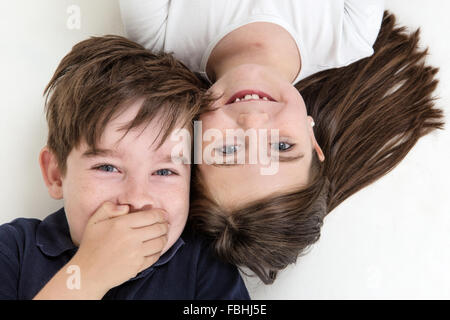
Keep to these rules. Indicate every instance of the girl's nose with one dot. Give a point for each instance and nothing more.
(253, 119)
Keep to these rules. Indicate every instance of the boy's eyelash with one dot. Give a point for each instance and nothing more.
(174, 173)
(98, 167)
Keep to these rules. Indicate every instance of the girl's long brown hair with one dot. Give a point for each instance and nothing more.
(369, 115)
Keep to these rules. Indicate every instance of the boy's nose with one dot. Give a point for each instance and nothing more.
(137, 195)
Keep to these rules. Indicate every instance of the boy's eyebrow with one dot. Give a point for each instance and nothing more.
(100, 152)
(111, 153)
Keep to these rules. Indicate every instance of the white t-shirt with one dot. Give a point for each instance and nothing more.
(328, 33)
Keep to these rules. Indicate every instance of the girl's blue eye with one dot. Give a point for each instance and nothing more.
(164, 172)
(107, 168)
(229, 149)
(283, 146)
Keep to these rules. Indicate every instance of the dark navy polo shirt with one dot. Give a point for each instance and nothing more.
(33, 251)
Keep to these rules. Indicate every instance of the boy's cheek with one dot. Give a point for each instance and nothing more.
(176, 227)
(176, 201)
(78, 213)
(80, 203)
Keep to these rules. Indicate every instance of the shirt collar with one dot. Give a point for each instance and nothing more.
(53, 234)
(166, 257)
(53, 238)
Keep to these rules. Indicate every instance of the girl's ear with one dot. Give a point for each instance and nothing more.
(316, 146)
(51, 173)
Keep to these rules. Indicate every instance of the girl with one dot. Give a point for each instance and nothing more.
(346, 88)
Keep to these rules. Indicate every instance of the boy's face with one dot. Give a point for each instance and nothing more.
(129, 171)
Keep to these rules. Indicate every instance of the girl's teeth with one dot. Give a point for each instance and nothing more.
(253, 96)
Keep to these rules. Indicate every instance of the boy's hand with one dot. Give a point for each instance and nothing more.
(117, 245)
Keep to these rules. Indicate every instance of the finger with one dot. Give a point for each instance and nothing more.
(150, 247)
(108, 210)
(145, 218)
(153, 231)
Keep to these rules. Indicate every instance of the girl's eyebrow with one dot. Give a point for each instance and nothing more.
(280, 159)
(290, 158)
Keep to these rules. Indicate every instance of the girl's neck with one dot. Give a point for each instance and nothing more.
(262, 43)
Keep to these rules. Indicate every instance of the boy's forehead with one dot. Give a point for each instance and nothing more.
(145, 140)
(118, 138)
(119, 124)
(168, 152)
(148, 138)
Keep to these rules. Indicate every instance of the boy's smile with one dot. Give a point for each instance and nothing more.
(126, 170)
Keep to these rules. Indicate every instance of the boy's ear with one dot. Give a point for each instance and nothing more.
(51, 173)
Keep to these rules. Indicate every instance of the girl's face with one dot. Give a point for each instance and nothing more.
(253, 97)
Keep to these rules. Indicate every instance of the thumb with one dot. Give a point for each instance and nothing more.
(108, 210)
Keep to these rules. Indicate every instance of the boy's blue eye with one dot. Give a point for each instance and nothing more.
(165, 172)
(107, 168)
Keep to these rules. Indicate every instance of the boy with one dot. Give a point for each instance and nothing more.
(111, 107)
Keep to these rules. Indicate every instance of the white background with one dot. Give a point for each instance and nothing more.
(388, 241)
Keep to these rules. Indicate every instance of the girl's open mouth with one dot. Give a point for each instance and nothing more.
(250, 95)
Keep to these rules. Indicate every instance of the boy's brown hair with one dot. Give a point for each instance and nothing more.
(100, 76)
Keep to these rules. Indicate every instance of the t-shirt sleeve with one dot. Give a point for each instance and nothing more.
(362, 21)
(9, 263)
(145, 21)
(349, 37)
(217, 280)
